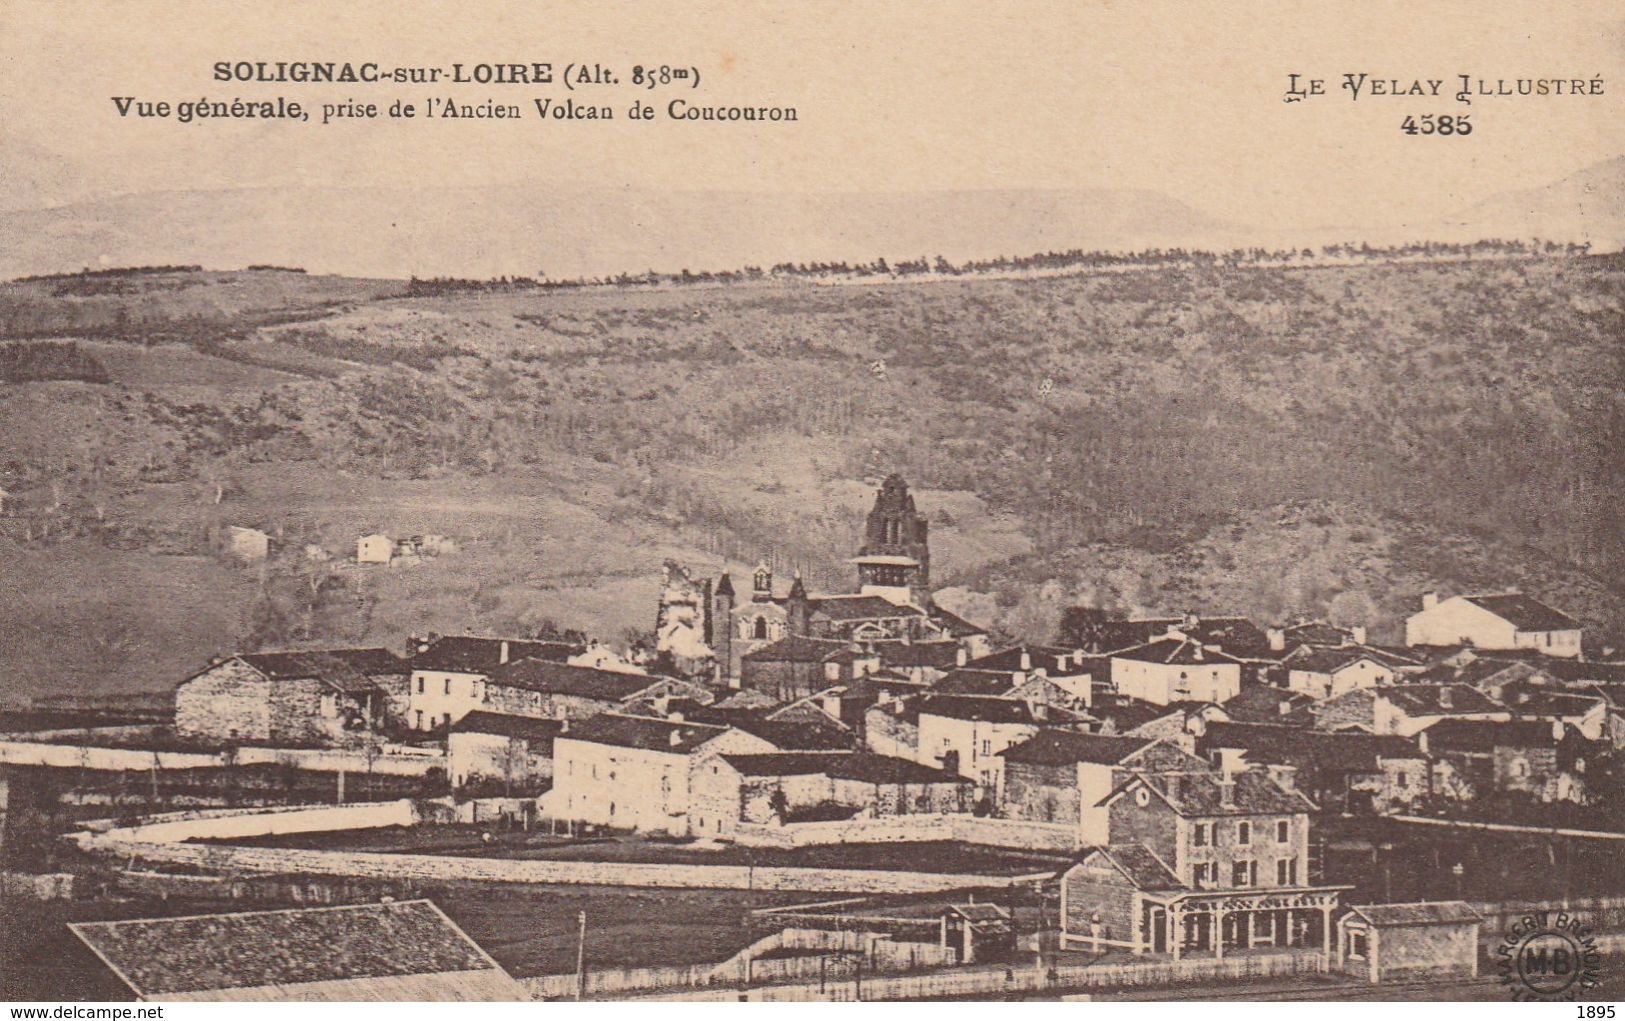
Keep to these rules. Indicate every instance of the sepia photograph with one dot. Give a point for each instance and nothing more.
(749, 501)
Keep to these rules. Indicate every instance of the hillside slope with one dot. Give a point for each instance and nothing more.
(1275, 441)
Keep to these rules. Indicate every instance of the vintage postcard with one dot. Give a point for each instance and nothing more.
(746, 500)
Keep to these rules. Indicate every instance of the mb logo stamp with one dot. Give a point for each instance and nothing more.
(1548, 956)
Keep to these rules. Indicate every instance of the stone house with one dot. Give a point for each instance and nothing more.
(247, 545)
(1509, 620)
(1200, 863)
(515, 752)
(1176, 669)
(1478, 759)
(1404, 709)
(964, 734)
(1062, 776)
(1405, 942)
(1344, 771)
(376, 548)
(1322, 673)
(324, 697)
(449, 674)
(797, 666)
(634, 772)
(776, 788)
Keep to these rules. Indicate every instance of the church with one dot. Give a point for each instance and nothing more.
(892, 603)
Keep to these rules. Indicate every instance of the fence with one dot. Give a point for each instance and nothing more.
(976, 983)
(831, 956)
(1600, 913)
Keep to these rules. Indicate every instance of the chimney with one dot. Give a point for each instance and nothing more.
(502, 654)
(676, 738)
(1284, 776)
(1430, 600)
(1041, 712)
(1173, 786)
(674, 717)
(1197, 653)
(564, 725)
(1191, 619)
(961, 657)
(1359, 634)
(1227, 791)
(1445, 699)
(1026, 660)
(1277, 639)
(1422, 742)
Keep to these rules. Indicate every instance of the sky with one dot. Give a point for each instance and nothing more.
(1182, 98)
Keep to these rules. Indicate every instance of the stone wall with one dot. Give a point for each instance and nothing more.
(1099, 892)
(1410, 953)
(912, 829)
(1042, 793)
(424, 868)
(229, 701)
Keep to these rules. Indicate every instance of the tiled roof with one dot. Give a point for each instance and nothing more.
(860, 607)
(1296, 746)
(1451, 912)
(643, 732)
(1175, 651)
(1316, 632)
(953, 623)
(328, 667)
(1200, 795)
(1487, 735)
(790, 735)
(972, 707)
(1139, 865)
(1330, 660)
(859, 766)
(552, 678)
(797, 649)
(507, 725)
(1066, 747)
(1261, 703)
(939, 655)
(1055, 661)
(1524, 612)
(965, 681)
(475, 654)
(1438, 699)
(159, 957)
(1555, 703)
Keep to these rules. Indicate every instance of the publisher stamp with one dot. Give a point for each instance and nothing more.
(1548, 957)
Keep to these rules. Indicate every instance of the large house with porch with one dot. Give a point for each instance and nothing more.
(1200, 863)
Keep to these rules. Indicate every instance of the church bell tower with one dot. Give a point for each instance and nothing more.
(895, 559)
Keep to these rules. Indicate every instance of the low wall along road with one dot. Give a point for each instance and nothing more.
(164, 840)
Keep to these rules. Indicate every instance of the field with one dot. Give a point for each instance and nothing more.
(1330, 441)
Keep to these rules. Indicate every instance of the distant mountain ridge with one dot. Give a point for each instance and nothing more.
(524, 230)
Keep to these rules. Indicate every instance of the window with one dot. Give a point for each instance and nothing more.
(1199, 875)
(1280, 872)
(1199, 835)
(448, 685)
(759, 630)
(987, 746)
(420, 685)
(420, 720)
(1283, 831)
(1239, 873)
(1402, 778)
(1357, 945)
(330, 705)
(1244, 833)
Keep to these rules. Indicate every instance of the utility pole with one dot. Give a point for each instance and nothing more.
(581, 956)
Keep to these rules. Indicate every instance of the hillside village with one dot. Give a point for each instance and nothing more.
(1183, 763)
